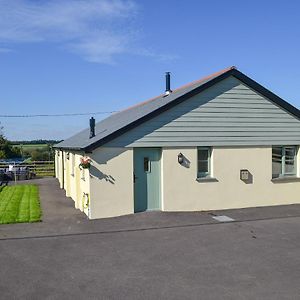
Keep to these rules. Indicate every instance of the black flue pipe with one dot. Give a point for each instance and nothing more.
(92, 127)
(168, 82)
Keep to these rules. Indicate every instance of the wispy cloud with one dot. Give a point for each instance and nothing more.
(101, 47)
(5, 50)
(157, 56)
(97, 30)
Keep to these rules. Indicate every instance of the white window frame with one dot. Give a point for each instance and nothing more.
(208, 173)
(283, 173)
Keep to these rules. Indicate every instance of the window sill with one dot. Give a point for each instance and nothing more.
(207, 179)
(285, 179)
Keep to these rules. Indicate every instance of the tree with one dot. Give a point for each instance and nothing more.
(39, 154)
(6, 149)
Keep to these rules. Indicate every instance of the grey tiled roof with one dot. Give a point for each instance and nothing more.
(117, 121)
(120, 122)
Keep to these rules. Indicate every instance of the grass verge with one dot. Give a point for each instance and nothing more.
(19, 204)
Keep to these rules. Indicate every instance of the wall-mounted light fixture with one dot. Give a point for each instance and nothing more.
(68, 155)
(180, 158)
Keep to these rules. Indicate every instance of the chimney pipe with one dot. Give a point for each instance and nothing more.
(92, 127)
(168, 84)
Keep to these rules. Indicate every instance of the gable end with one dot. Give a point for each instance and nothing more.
(229, 113)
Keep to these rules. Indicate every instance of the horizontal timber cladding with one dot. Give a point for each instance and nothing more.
(229, 113)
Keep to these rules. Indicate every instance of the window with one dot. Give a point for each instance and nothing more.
(204, 168)
(284, 161)
(147, 165)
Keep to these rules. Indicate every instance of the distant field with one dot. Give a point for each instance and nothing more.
(38, 157)
(30, 146)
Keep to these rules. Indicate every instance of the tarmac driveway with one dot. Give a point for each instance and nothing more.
(151, 255)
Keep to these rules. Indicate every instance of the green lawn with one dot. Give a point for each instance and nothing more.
(19, 204)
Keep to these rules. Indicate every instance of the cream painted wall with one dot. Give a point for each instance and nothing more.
(183, 193)
(111, 182)
(59, 167)
(76, 181)
(81, 187)
(56, 162)
(67, 179)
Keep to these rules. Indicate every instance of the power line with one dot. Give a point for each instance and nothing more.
(57, 115)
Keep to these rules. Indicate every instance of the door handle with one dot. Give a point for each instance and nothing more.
(134, 178)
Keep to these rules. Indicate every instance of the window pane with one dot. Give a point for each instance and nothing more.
(203, 162)
(289, 168)
(203, 166)
(289, 160)
(146, 164)
(276, 161)
(289, 153)
(203, 154)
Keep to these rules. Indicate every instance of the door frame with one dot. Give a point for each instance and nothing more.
(160, 205)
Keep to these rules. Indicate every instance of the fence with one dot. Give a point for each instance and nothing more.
(36, 168)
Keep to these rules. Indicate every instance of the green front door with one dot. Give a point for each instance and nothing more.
(146, 179)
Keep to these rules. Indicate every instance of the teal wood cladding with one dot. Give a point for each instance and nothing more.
(227, 114)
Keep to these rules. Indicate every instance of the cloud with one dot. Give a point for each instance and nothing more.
(102, 47)
(157, 56)
(97, 30)
(5, 50)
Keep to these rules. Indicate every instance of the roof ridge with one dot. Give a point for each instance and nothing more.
(205, 78)
(178, 89)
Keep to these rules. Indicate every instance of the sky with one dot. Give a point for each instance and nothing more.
(88, 56)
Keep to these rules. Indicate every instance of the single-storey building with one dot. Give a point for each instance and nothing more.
(218, 143)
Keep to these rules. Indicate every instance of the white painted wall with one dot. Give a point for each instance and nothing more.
(183, 193)
(111, 180)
